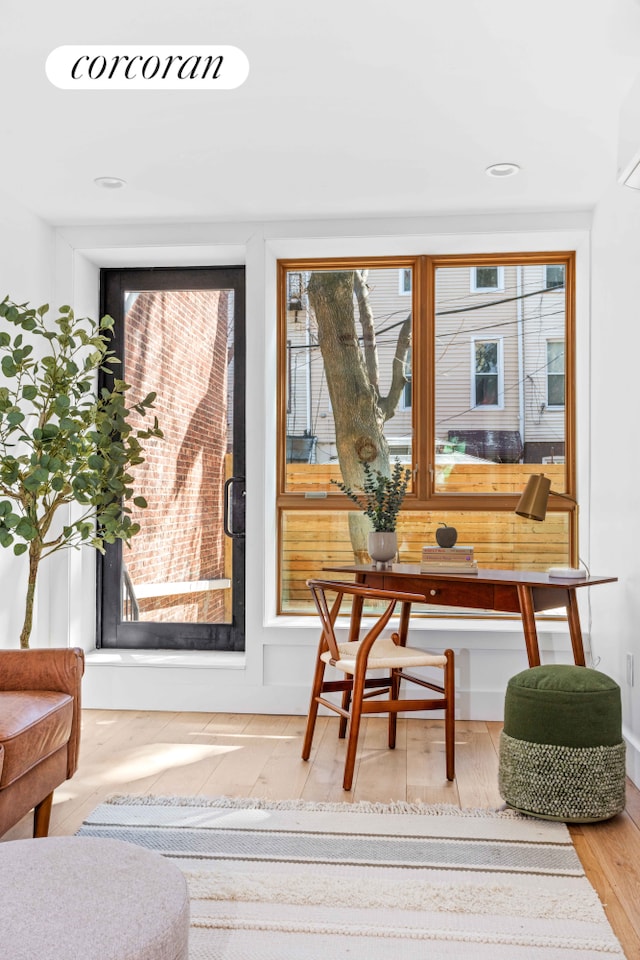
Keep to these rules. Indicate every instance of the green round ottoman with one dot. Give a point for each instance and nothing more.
(562, 756)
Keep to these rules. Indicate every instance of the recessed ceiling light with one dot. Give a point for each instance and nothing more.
(110, 183)
(502, 170)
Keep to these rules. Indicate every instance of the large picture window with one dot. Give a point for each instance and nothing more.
(455, 380)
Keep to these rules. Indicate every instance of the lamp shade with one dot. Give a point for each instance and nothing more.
(533, 502)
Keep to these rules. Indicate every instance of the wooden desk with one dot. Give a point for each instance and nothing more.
(506, 591)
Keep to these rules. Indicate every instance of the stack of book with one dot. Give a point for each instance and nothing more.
(457, 559)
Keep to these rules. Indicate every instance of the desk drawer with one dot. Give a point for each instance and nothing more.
(446, 593)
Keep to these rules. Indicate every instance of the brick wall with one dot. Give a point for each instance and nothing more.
(176, 344)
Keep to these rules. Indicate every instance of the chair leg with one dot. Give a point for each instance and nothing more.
(394, 693)
(41, 816)
(313, 708)
(346, 703)
(450, 715)
(354, 727)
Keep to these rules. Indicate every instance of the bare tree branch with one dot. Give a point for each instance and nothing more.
(365, 314)
(389, 403)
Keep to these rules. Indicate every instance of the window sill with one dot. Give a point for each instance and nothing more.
(191, 659)
(457, 623)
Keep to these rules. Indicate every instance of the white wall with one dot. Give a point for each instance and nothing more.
(274, 673)
(615, 466)
(40, 265)
(27, 270)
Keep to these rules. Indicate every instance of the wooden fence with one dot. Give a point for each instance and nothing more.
(311, 539)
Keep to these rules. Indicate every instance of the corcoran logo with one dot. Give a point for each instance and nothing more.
(131, 67)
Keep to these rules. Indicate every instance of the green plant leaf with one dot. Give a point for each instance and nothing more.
(8, 367)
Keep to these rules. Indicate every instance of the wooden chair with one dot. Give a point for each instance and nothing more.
(373, 652)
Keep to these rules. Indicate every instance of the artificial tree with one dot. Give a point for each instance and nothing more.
(62, 443)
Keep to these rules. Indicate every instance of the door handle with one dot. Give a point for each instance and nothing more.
(229, 512)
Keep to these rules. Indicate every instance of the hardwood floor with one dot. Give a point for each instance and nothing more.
(249, 755)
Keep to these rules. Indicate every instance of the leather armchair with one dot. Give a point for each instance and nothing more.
(39, 730)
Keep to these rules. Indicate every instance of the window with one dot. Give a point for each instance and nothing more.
(454, 385)
(406, 399)
(487, 279)
(405, 284)
(553, 275)
(294, 291)
(555, 373)
(487, 373)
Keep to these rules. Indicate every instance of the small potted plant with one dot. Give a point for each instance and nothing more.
(380, 500)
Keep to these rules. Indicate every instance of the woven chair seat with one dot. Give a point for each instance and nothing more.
(384, 655)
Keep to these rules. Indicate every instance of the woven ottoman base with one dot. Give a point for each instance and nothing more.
(562, 756)
(577, 784)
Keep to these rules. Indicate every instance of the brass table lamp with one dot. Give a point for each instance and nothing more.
(533, 506)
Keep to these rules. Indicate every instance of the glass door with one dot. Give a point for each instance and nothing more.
(180, 585)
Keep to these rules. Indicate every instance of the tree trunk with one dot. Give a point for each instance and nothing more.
(35, 551)
(357, 414)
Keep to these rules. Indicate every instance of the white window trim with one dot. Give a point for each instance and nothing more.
(554, 406)
(472, 400)
(476, 289)
(401, 291)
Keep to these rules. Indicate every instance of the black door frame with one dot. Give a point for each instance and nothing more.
(112, 631)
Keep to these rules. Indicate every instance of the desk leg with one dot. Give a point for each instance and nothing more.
(574, 628)
(357, 604)
(527, 612)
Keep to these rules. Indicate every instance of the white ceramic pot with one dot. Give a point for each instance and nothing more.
(382, 546)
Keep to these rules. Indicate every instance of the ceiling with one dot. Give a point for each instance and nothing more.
(352, 108)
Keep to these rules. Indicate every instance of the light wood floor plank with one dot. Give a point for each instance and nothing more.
(244, 755)
(426, 764)
(381, 773)
(476, 766)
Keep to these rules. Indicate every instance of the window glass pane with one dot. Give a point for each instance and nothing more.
(554, 274)
(405, 280)
(555, 373)
(486, 356)
(555, 356)
(486, 390)
(313, 539)
(178, 568)
(509, 414)
(486, 278)
(348, 366)
(555, 390)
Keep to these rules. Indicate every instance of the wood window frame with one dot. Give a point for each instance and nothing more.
(424, 496)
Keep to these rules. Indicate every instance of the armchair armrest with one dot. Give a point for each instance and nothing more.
(53, 669)
(58, 669)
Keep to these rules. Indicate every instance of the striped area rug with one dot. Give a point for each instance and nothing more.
(298, 881)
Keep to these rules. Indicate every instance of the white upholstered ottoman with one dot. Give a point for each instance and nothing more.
(85, 898)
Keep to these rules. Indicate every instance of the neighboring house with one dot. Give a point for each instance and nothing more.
(499, 363)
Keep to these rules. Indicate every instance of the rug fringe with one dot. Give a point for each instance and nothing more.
(361, 806)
